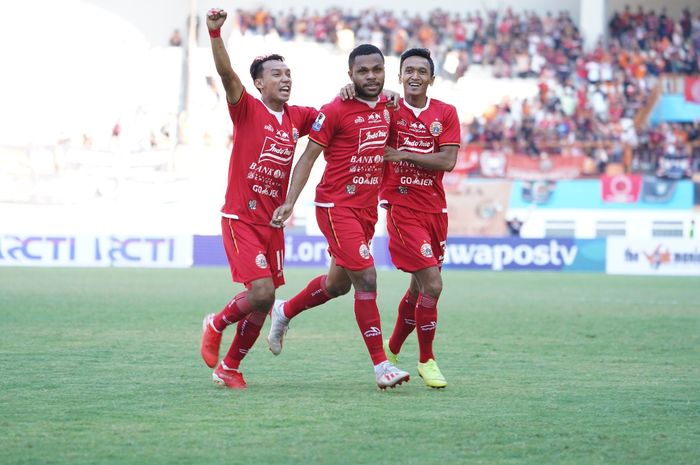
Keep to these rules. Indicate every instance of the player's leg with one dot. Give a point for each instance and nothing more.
(430, 284)
(261, 295)
(320, 290)
(405, 321)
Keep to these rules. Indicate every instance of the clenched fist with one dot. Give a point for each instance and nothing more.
(216, 18)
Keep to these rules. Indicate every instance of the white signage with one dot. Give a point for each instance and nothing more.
(653, 256)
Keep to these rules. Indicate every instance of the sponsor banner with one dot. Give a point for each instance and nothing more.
(300, 251)
(96, 250)
(621, 188)
(498, 254)
(692, 89)
(657, 190)
(538, 192)
(478, 209)
(653, 256)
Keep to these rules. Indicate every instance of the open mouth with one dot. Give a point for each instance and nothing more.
(286, 89)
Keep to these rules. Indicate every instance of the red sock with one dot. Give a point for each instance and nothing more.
(426, 322)
(247, 333)
(367, 316)
(234, 311)
(405, 322)
(313, 295)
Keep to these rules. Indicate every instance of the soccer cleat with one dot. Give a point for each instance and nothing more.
(228, 378)
(211, 340)
(431, 374)
(392, 357)
(278, 327)
(389, 376)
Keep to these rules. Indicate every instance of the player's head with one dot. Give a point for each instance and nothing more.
(272, 77)
(366, 70)
(416, 71)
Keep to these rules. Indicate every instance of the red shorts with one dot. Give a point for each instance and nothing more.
(349, 233)
(416, 239)
(253, 251)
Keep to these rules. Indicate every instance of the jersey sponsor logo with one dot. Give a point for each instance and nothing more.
(402, 122)
(403, 190)
(372, 138)
(374, 159)
(374, 118)
(268, 127)
(265, 190)
(252, 204)
(276, 152)
(370, 181)
(295, 134)
(364, 251)
(261, 261)
(387, 116)
(283, 134)
(359, 120)
(417, 126)
(351, 189)
(408, 180)
(417, 144)
(436, 128)
(426, 250)
(372, 331)
(318, 124)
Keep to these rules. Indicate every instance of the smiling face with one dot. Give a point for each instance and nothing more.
(415, 77)
(275, 84)
(367, 73)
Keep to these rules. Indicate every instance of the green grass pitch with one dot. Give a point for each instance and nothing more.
(102, 366)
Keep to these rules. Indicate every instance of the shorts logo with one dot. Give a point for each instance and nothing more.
(295, 134)
(252, 204)
(387, 116)
(364, 251)
(351, 189)
(426, 250)
(372, 331)
(319, 122)
(261, 261)
(436, 128)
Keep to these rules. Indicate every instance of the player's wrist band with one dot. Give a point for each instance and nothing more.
(214, 33)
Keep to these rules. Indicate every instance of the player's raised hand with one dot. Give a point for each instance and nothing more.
(393, 97)
(347, 92)
(280, 215)
(216, 18)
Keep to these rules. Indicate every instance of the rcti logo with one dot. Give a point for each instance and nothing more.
(658, 257)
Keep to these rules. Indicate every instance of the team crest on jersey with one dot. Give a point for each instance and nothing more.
(252, 204)
(387, 116)
(351, 189)
(295, 134)
(319, 122)
(374, 118)
(436, 128)
(426, 250)
(364, 251)
(261, 261)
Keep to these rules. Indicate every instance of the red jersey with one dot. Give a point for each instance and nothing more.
(403, 182)
(353, 136)
(261, 158)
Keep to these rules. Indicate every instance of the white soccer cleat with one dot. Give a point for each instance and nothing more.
(278, 328)
(389, 376)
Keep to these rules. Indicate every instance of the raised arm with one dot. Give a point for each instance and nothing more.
(232, 83)
(444, 160)
(299, 178)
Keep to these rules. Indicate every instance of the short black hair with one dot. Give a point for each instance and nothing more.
(256, 68)
(418, 52)
(364, 49)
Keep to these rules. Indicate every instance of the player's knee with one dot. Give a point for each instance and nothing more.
(338, 289)
(366, 280)
(433, 287)
(262, 296)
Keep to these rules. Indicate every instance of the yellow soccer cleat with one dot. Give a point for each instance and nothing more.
(431, 374)
(392, 357)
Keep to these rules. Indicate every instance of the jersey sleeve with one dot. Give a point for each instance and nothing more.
(308, 116)
(239, 111)
(323, 127)
(451, 134)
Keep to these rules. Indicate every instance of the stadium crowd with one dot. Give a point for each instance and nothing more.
(589, 102)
